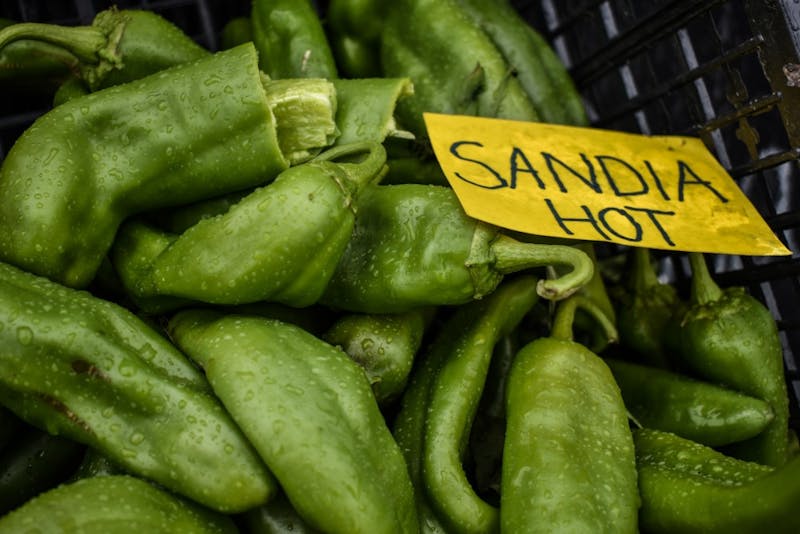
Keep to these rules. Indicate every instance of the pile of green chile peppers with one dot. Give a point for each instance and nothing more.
(238, 295)
(164, 140)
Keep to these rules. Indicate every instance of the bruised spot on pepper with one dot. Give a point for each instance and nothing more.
(89, 369)
(69, 414)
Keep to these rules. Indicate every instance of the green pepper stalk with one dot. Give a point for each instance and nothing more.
(34, 65)
(688, 487)
(88, 369)
(647, 311)
(568, 457)
(309, 411)
(118, 503)
(413, 245)
(119, 46)
(165, 140)
(384, 344)
(290, 40)
(259, 249)
(729, 337)
(701, 411)
(453, 401)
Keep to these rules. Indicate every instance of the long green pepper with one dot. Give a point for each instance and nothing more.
(309, 411)
(88, 369)
(568, 456)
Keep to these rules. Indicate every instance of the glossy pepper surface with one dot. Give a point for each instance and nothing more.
(453, 401)
(687, 487)
(414, 246)
(261, 248)
(118, 47)
(454, 65)
(88, 369)
(167, 139)
(568, 456)
(730, 337)
(120, 504)
(310, 413)
(701, 411)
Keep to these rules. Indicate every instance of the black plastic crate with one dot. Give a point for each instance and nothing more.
(720, 69)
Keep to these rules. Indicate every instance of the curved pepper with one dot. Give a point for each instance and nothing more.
(454, 65)
(89, 369)
(688, 487)
(238, 30)
(693, 409)
(309, 411)
(366, 109)
(453, 401)
(120, 504)
(120, 45)
(225, 260)
(413, 245)
(384, 344)
(290, 40)
(568, 457)
(729, 337)
(165, 140)
(278, 516)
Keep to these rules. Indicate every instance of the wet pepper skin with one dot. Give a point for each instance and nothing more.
(167, 139)
(88, 369)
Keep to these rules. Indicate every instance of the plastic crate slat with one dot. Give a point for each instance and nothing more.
(564, 22)
(756, 274)
(756, 106)
(623, 46)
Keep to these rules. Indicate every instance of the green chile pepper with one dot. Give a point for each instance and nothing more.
(366, 109)
(454, 65)
(688, 487)
(383, 344)
(309, 411)
(646, 312)
(568, 457)
(71, 88)
(223, 260)
(727, 336)
(35, 462)
(120, 45)
(168, 139)
(453, 400)
(96, 464)
(354, 30)
(414, 246)
(120, 504)
(88, 369)
(693, 409)
(238, 30)
(538, 69)
(290, 40)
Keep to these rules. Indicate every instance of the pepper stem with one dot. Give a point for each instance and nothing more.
(359, 173)
(565, 317)
(704, 288)
(512, 256)
(644, 276)
(84, 42)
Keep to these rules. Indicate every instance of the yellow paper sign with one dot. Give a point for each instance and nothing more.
(662, 192)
